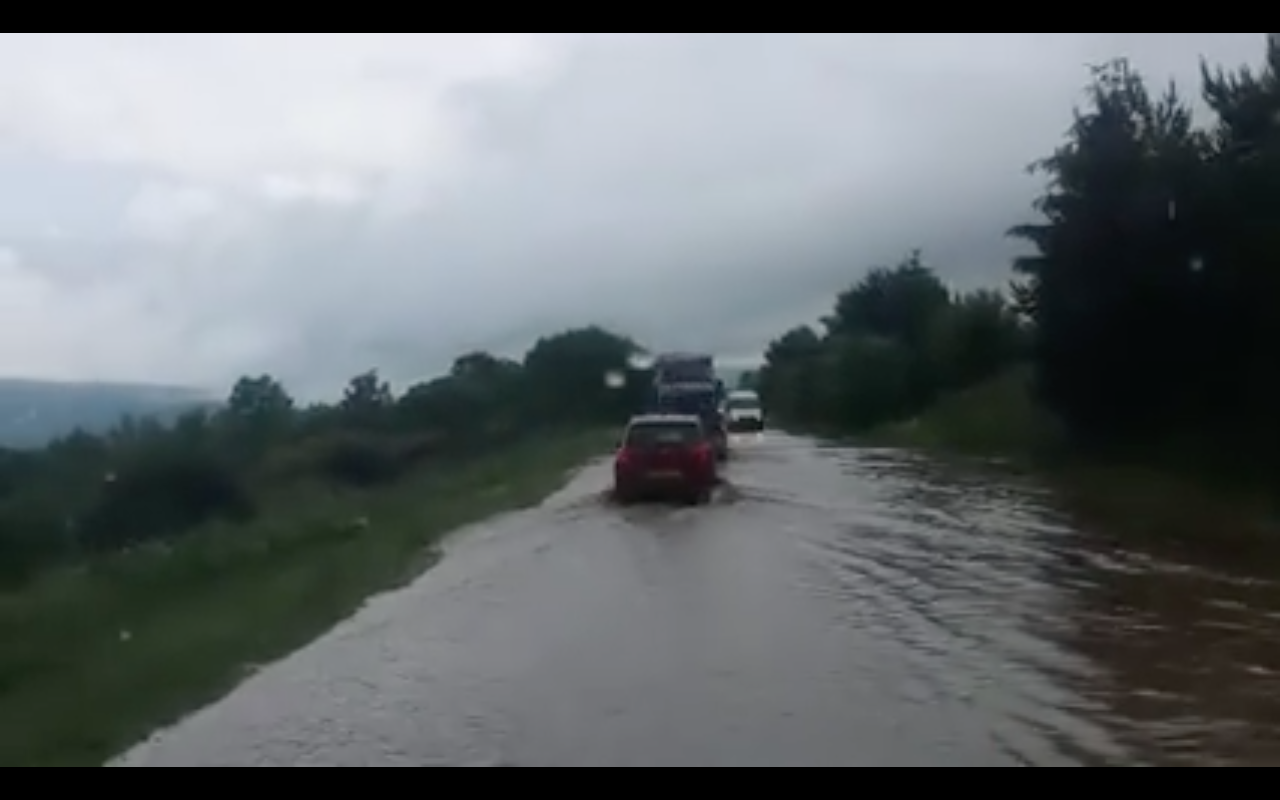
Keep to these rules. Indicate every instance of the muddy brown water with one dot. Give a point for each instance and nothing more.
(833, 608)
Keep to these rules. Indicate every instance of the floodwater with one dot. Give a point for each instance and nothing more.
(833, 608)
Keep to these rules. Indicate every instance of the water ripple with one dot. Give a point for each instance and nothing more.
(834, 606)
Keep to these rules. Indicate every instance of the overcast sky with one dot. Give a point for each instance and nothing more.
(190, 207)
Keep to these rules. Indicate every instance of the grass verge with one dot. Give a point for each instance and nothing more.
(94, 658)
(995, 418)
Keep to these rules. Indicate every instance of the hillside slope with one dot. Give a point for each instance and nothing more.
(32, 412)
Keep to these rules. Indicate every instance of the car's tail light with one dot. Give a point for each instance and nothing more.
(624, 457)
(703, 452)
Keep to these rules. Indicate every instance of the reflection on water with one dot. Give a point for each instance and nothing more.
(1191, 657)
(1178, 662)
(833, 607)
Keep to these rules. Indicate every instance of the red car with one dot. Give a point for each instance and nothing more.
(665, 455)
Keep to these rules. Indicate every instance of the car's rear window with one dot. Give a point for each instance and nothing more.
(743, 404)
(649, 434)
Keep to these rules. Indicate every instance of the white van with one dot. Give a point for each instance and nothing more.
(743, 412)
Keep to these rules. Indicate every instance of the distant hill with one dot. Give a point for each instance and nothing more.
(33, 412)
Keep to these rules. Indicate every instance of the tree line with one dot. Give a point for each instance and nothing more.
(145, 482)
(1145, 305)
(1143, 308)
(893, 344)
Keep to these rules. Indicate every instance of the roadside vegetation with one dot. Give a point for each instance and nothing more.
(143, 571)
(1136, 345)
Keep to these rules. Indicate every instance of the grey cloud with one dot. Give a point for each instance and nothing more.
(690, 189)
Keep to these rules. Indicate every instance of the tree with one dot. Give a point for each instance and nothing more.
(896, 303)
(977, 336)
(1110, 284)
(568, 373)
(366, 399)
(894, 341)
(259, 401)
(146, 481)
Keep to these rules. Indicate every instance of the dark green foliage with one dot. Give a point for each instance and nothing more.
(1145, 307)
(144, 482)
(894, 343)
(1152, 280)
(1146, 302)
(161, 493)
(358, 462)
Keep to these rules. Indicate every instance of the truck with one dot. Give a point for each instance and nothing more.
(671, 368)
(743, 412)
(686, 383)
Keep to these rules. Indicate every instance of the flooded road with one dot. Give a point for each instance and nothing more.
(834, 608)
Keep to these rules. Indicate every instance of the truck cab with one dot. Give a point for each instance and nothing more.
(686, 383)
(743, 412)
